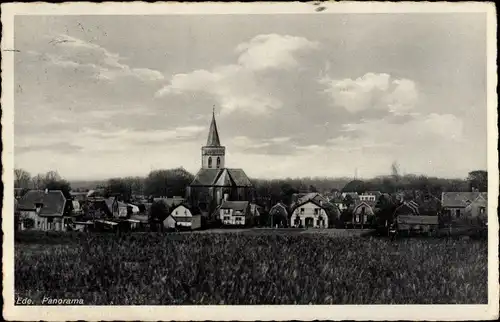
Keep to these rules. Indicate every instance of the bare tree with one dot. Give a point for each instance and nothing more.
(38, 181)
(22, 178)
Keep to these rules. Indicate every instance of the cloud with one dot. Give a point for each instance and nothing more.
(381, 133)
(372, 92)
(272, 51)
(73, 52)
(239, 86)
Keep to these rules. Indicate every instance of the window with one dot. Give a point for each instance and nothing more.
(218, 162)
(209, 162)
(482, 210)
(238, 218)
(301, 210)
(316, 211)
(227, 211)
(226, 218)
(457, 213)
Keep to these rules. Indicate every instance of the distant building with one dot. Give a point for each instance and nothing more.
(362, 213)
(407, 208)
(278, 215)
(455, 203)
(214, 181)
(235, 213)
(43, 210)
(310, 213)
(183, 216)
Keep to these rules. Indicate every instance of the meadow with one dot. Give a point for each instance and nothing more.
(232, 268)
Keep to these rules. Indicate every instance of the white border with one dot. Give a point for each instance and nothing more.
(289, 312)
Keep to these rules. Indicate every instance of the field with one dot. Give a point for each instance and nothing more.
(232, 268)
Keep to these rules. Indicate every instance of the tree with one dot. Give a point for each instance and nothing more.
(172, 182)
(478, 179)
(38, 182)
(22, 178)
(118, 187)
(157, 214)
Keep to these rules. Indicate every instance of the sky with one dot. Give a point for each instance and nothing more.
(295, 95)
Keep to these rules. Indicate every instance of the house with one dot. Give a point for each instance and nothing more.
(235, 213)
(477, 211)
(371, 196)
(278, 215)
(309, 213)
(407, 208)
(43, 210)
(339, 203)
(362, 213)
(455, 203)
(118, 209)
(183, 216)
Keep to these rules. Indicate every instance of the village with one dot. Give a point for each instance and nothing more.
(220, 197)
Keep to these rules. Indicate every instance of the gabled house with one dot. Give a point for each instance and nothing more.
(309, 213)
(43, 210)
(478, 208)
(183, 216)
(362, 213)
(118, 209)
(278, 215)
(235, 213)
(455, 203)
(407, 208)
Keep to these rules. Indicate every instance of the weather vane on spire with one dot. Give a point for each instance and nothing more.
(213, 109)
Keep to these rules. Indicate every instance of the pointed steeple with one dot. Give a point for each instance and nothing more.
(213, 134)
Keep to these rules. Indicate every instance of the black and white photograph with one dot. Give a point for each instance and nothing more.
(266, 161)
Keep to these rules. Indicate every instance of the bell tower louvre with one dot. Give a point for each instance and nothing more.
(213, 154)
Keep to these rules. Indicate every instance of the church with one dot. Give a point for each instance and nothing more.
(215, 183)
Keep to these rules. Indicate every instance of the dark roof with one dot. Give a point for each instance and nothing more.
(459, 199)
(53, 202)
(235, 205)
(222, 178)
(278, 208)
(213, 134)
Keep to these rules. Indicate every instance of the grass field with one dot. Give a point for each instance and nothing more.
(231, 268)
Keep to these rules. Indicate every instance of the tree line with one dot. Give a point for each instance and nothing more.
(174, 182)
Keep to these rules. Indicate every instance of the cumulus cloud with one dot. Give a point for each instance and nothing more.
(272, 51)
(236, 86)
(372, 92)
(72, 52)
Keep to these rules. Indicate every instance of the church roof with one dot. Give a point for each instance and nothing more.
(222, 178)
(213, 134)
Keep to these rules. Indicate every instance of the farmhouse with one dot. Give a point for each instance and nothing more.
(362, 213)
(309, 213)
(214, 181)
(183, 216)
(407, 208)
(278, 215)
(43, 210)
(455, 203)
(235, 213)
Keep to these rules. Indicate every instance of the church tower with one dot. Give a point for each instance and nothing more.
(213, 154)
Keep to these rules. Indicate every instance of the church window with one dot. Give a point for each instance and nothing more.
(209, 162)
(218, 162)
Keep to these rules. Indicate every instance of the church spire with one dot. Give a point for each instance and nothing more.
(213, 134)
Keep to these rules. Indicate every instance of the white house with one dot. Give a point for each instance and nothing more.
(309, 214)
(183, 216)
(235, 213)
(43, 210)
